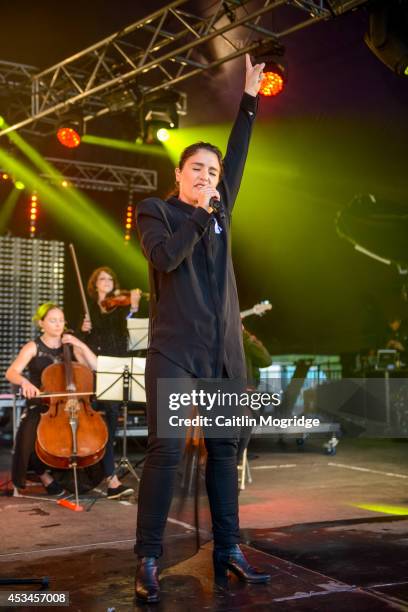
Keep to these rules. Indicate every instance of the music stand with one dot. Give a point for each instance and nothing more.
(121, 379)
(138, 330)
(387, 359)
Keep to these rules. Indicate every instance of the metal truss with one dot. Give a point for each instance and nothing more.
(154, 54)
(338, 7)
(102, 177)
(16, 89)
(15, 75)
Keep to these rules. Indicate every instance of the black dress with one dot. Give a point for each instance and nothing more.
(24, 456)
(109, 334)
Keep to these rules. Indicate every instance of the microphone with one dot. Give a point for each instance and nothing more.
(217, 207)
(215, 204)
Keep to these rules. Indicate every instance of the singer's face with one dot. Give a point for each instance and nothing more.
(200, 170)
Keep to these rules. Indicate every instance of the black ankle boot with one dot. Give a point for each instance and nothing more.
(147, 582)
(232, 559)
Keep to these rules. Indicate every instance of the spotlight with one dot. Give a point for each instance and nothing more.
(160, 113)
(387, 35)
(273, 81)
(163, 134)
(156, 131)
(19, 185)
(70, 129)
(275, 73)
(5, 176)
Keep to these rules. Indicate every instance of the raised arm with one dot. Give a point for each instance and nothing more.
(164, 249)
(238, 142)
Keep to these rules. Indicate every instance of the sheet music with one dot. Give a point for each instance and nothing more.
(109, 378)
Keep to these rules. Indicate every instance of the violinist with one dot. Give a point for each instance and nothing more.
(35, 356)
(106, 334)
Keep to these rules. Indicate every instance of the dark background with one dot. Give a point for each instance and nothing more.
(338, 129)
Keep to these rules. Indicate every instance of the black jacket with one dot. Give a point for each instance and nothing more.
(194, 312)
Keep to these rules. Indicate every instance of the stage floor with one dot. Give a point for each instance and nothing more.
(332, 531)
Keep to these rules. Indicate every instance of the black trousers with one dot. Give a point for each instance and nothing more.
(111, 414)
(24, 456)
(159, 474)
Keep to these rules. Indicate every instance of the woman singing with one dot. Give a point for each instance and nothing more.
(36, 355)
(195, 333)
(106, 334)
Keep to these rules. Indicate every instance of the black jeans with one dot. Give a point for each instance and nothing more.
(111, 415)
(24, 456)
(159, 474)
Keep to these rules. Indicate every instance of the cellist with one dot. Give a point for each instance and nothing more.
(36, 355)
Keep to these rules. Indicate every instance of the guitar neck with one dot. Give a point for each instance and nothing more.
(258, 309)
(246, 313)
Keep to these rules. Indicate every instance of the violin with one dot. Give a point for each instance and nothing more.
(120, 298)
(71, 433)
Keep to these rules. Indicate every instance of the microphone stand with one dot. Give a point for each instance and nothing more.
(124, 461)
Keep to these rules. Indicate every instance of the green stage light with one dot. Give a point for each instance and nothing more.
(70, 206)
(183, 137)
(385, 509)
(19, 185)
(124, 145)
(7, 209)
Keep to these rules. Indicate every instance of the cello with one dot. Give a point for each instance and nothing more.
(71, 433)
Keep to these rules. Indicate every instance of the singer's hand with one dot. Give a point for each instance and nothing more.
(205, 195)
(253, 76)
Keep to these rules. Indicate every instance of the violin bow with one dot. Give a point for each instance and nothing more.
(79, 279)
